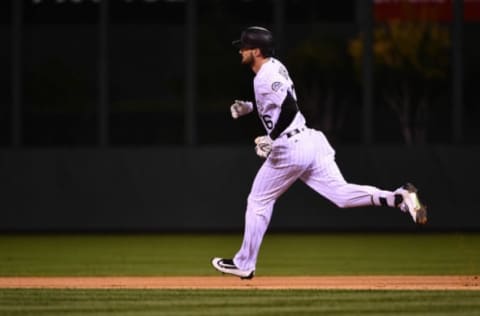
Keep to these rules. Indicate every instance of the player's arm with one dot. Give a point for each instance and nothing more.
(280, 95)
(289, 109)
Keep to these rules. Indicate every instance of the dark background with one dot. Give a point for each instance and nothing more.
(114, 115)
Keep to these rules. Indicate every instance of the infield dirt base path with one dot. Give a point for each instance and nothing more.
(261, 282)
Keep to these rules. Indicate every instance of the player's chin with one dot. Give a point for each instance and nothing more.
(247, 61)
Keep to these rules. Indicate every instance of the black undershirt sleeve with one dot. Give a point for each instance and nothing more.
(287, 114)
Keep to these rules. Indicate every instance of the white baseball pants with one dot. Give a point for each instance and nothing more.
(307, 156)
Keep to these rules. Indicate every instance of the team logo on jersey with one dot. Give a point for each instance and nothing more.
(276, 85)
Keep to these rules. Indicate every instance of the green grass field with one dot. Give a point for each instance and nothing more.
(281, 254)
(239, 302)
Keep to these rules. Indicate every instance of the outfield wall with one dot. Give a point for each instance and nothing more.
(205, 189)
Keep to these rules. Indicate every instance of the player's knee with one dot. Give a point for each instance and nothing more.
(255, 200)
(342, 204)
(259, 206)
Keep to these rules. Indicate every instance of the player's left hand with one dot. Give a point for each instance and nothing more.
(263, 146)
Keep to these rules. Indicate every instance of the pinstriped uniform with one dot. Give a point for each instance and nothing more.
(306, 155)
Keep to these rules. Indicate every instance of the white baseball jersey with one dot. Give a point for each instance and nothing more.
(271, 86)
(298, 152)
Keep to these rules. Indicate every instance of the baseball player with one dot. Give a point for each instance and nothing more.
(292, 151)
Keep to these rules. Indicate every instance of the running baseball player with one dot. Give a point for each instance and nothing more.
(292, 151)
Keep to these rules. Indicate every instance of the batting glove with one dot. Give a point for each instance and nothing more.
(240, 108)
(263, 146)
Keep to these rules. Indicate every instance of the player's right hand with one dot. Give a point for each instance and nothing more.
(240, 108)
(263, 146)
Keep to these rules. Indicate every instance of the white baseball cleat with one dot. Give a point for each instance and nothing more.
(411, 203)
(227, 266)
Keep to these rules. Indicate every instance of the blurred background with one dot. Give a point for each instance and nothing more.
(114, 114)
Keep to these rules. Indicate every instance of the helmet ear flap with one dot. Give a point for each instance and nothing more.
(268, 52)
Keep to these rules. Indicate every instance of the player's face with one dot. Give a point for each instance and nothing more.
(247, 56)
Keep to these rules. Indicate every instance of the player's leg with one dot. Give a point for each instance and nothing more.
(330, 183)
(325, 177)
(269, 184)
(283, 167)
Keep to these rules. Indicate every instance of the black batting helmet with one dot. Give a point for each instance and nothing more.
(256, 37)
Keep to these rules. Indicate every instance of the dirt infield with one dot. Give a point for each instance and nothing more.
(261, 282)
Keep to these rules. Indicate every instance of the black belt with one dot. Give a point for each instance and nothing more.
(294, 132)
